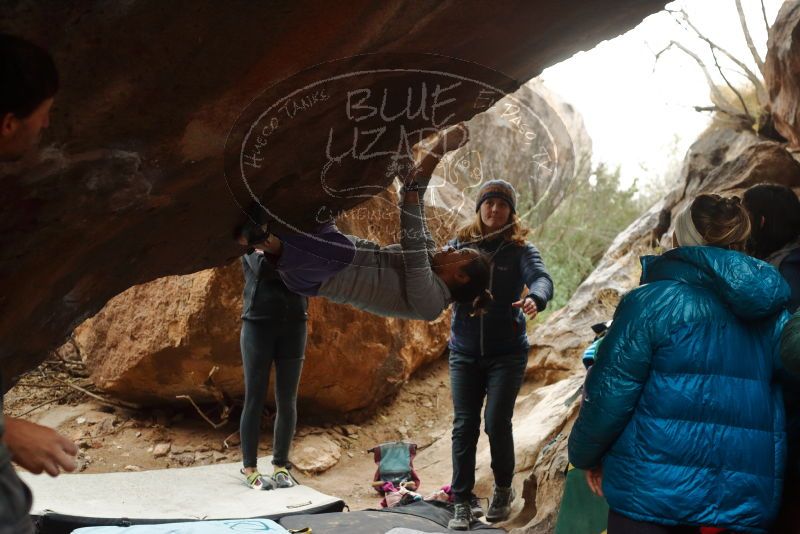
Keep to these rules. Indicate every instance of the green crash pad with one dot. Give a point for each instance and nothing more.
(581, 512)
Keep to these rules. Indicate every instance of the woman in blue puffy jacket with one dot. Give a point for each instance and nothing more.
(683, 422)
(489, 352)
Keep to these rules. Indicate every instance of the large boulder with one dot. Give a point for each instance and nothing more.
(162, 339)
(782, 73)
(133, 186)
(531, 138)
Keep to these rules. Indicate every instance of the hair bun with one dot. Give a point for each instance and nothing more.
(721, 221)
(733, 203)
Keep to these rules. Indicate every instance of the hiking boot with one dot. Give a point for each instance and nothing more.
(283, 478)
(475, 505)
(500, 508)
(462, 517)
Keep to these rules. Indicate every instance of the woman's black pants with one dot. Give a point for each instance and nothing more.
(473, 379)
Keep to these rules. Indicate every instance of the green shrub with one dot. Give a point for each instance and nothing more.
(575, 237)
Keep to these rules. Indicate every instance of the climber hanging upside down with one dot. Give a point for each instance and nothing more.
(411, 280)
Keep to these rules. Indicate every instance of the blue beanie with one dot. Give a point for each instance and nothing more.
(497, 189)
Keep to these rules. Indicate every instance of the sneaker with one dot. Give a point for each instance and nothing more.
(283, 478)
(462, 517)
(475, 505)
(500, 508)
(257, 481)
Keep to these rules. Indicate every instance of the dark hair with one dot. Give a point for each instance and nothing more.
(780, 208)
(723, 222)
(28, 74)
(476, 290)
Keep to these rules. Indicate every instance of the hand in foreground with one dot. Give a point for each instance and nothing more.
(528, 306)
(38, 448)
(594, 478)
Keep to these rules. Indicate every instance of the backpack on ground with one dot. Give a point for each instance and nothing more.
(396, 465)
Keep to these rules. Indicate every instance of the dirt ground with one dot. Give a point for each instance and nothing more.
(114, 438)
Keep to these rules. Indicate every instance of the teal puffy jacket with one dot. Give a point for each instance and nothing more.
(682, 406)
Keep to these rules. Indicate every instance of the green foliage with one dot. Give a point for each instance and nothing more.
(575, 237)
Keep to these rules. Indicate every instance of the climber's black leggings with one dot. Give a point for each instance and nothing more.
(262, 343)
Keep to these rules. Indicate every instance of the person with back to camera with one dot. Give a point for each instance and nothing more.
(409, 280)
(29, 84)
(775, 238)
(682, 428)
(489, 353)
(273, 332)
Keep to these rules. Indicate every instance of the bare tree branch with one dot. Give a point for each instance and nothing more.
(749, 38)
(101, 400)
(682, 18)
(223, 421)
(716, 95)
(716, 109)
(713, 109)
(730, 85)
(218, 394)
(23, 414)
(764, 14)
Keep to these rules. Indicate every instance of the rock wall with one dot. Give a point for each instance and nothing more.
(132, 186)
(721, 160)
(783, 70)
(505, 144)
(162, 339)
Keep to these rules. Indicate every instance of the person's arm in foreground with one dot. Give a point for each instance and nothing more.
(614, 385)
(421, 287)
(38, 448)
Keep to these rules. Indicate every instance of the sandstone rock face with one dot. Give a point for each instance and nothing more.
(783, 72)
(721, 160)
(162, 339)
(316, 453)
(531, 138)
(133, 188)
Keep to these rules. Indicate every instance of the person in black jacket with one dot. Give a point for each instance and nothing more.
(27, 91)
(774, 211)
(489, 353)
(273, 331)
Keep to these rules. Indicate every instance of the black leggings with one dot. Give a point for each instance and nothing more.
(619, 524)
(262, 343)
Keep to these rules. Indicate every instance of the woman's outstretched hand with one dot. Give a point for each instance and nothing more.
(528, 306)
